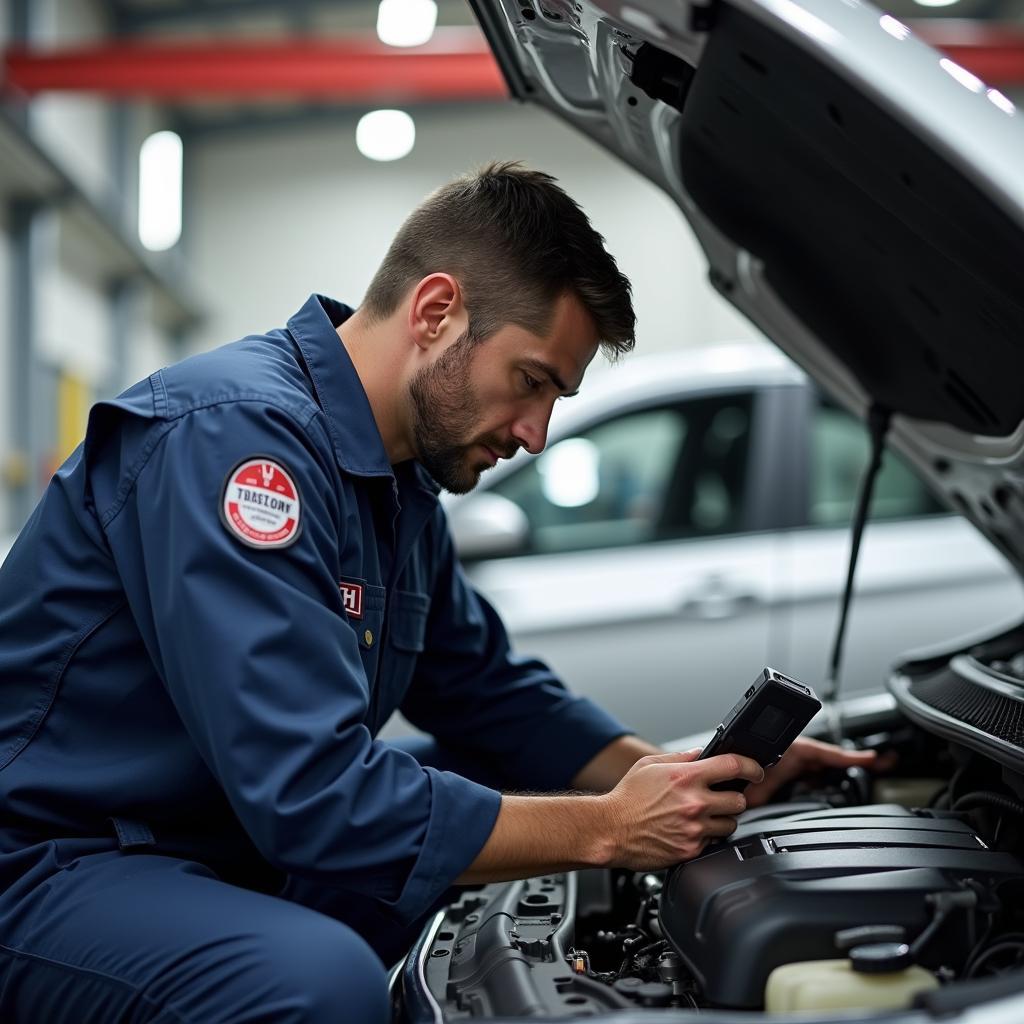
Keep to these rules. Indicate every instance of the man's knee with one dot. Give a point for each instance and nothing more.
(334, 975)
(153, 938)
(310, 970)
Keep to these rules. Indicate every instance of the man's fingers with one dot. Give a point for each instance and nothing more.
(720, 827)
(723, 767)
(685, 755)
(825, 755)
(725, 803)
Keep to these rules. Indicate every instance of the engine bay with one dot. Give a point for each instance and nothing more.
(789, 885)
(848, 889)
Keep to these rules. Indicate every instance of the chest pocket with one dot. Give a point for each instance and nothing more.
(407, 627)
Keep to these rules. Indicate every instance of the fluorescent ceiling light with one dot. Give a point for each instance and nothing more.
(804, 21)
(895, 28)
(935, 3)
(1005, 105)
(385, 134)
(962, 75)
(406, 22)
(160, 161)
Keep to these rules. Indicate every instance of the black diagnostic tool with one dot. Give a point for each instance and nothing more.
(764, 722)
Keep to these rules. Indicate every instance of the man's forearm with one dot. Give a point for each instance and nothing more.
(603, 772)
(660, 813)
(535, 835)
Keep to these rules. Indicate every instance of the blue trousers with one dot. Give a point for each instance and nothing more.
(139, 937)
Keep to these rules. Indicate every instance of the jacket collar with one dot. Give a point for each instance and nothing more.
(358, 445)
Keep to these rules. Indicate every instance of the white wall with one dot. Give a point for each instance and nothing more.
(275, 215)
(149, 347)
(75, 328)
(74, 129)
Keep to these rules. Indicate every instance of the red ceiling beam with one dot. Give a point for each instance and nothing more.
(995, 53)
(455, 65)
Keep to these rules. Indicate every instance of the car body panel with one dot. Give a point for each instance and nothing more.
(912, 304)
(681, 621)
(905, 142)
(689, 616)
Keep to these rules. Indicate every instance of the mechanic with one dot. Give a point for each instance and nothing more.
(232, 584)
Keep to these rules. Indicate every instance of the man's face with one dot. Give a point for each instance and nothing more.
(478, 402)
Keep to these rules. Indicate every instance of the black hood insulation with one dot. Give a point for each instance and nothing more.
(892, 258)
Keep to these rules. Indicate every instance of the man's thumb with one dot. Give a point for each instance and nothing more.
(680, 756)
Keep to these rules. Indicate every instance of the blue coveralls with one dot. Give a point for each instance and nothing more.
(197, 821)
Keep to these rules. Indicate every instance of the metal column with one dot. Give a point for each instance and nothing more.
(30, 398)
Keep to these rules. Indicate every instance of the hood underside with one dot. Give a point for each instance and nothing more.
(858, 197)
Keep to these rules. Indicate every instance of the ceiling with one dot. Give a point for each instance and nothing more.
(356, 71)
(274, 16)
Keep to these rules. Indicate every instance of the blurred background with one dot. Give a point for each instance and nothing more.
(175, 174)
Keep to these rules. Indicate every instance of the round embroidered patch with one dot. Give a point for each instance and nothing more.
(260, 504)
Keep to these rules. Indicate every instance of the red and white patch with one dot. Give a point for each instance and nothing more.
(260, 504)
(352, 598)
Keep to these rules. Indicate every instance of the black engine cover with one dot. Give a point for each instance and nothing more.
(787, 881)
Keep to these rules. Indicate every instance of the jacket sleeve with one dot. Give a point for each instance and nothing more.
(472, 691)
(264, 669)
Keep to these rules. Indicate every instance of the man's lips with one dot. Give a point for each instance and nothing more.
(495, 453)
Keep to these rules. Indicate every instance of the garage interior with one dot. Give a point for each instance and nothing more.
(248, 113)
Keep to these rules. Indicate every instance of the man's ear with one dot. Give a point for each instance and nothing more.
(436, 312)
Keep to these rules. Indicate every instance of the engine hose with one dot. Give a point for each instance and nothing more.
(1013, 944)
(944, 797)
(983, 798)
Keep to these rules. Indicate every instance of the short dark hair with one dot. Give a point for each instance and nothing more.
(515, 242)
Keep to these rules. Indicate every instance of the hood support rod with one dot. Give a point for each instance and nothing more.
(878, 427)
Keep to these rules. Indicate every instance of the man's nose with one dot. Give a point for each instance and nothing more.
(531, 430)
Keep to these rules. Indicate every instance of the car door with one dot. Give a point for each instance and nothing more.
(649, 581)
(925, 575)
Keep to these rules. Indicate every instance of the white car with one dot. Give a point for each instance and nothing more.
(690, 518)
(861, 198)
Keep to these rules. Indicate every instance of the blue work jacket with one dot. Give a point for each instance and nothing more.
(168, 681)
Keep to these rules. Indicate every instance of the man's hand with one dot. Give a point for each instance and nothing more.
(663, 812)
(660, 812)
(806, 755)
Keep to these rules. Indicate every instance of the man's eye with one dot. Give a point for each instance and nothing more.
(532, 383)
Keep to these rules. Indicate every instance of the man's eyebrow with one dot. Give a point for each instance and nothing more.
(552, 372)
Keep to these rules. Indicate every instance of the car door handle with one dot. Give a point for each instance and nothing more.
(717, 599)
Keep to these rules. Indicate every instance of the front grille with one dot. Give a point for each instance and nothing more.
(992, 713)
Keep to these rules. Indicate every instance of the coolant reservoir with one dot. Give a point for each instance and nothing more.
(879, 976)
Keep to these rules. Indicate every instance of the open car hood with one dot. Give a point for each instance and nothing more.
(858, 196)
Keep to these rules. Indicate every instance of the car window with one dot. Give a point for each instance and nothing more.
(628, 480)
(840, 449)
(605, 487)
(709, 488)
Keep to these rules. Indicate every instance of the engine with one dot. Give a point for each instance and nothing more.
(920, 871)
(791, 885)
(799, 884)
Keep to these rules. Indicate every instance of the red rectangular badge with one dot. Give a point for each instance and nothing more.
(352, 598)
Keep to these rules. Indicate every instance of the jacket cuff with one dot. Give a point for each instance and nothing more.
(462, 817)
